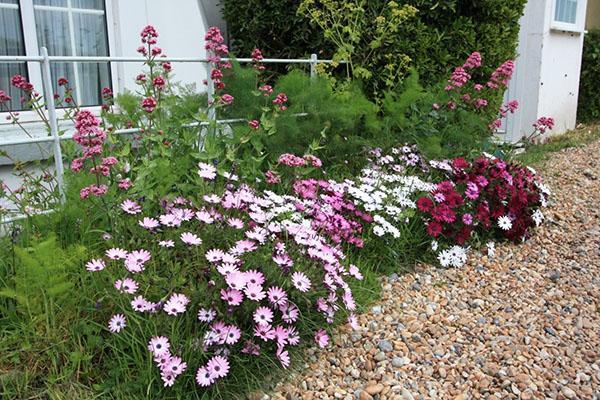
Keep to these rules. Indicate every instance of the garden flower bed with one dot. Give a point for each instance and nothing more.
(208, 261)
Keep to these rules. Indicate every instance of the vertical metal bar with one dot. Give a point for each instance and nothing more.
(51, 108)
(313, 65)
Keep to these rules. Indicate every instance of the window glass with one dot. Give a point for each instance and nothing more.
(79, 29)
(11, 44)
(566, 11)
(89, 4)
(55, 3)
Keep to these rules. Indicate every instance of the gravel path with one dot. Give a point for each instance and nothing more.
(525, 325)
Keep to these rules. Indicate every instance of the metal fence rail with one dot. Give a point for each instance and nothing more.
(48, 91)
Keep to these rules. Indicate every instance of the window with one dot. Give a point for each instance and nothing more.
(11, 44)
(65, 28)
(568, 15)
(75, 28)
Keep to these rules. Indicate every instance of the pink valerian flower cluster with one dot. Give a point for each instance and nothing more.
(281, 101)
(501, 76)
(20, 82)
(217, 49)
(543, 124)
(91, 138)
(158, 83)
(488, 196)
(4, 98)
(292, 235)
(257, 58)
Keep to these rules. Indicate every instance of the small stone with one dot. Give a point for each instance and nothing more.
(374, 389)
(406, 395)
(400, 361)
(380, 356)
(476, 303)
(363, 395)
(385, 345)
(376, 310)
(568, 392)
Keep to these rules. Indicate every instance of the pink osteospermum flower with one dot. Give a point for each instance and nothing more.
(218, 367)
(284, 357)
(264, 332)
(175, 366)
(95, 265)
(355, 272)
(170, 220)
(131, 207)
(191, 239)
(214, 255)
(236, 280)
(126, 285)
(233, 297)
(230, 258)
(116, 253)
(263, 316)
(207, 171)
(204, 378)
(235, 223)
(227, 268)
(277, 295)
(301, 281)
(140, 304)
(232, 335)
(159, 345)
(117, 323)
(321, 338)
(135, 260)
(213, 199)
(254, 292)
(289, 313)
(206, 315)
(255, 277)
(149, 223)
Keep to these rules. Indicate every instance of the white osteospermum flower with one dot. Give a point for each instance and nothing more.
(504, 223)
(444, 258)
(537, 217)
(378, 230)
(434, 245)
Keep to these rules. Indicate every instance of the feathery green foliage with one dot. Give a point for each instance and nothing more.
(41, 276)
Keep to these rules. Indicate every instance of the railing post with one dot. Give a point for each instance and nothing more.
(313, 65)
(210, 98)
(51, 108)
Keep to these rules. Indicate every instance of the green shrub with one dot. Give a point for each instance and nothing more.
(441, 34)
(589, 84)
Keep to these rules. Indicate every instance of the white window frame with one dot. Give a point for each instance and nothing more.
(577, 27)
(34, 70)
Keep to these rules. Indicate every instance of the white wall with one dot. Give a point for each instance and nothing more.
(181, 28)
(546, 79)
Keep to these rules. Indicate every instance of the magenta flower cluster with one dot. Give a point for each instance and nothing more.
(91, 138)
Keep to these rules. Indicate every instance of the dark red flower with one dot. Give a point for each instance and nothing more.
(425, 204)
(434, 229)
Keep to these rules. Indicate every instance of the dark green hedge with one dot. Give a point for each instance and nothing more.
(273, 27)
(589, 84)
(444, 34)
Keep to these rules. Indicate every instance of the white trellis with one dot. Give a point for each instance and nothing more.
(55, 138)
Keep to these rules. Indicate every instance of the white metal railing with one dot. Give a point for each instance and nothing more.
(55, 138)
